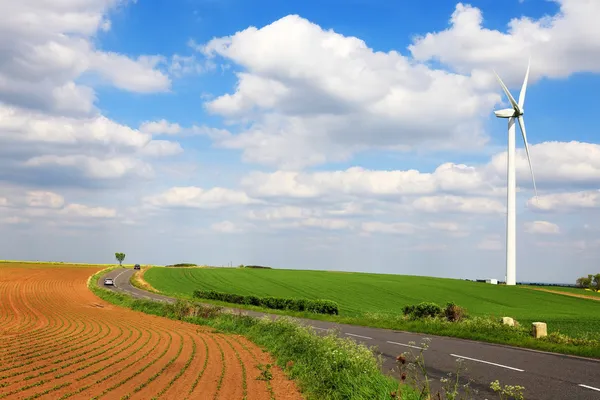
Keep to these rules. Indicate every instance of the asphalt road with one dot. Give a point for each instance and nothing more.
(545, 376)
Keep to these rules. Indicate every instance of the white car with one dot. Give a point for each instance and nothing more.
(109, 281)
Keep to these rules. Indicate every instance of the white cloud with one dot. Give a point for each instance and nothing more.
(24, 126)
(160, 127)
(542, 227)
(226, 227)
(476, 205)
(568, 201)
(134, 75)
(391, 228)
(358, 181)
(44, 199)
(3, 202)
(161, 148)
(195, 197)
(83, 211)
(554, 163)
(313, 95)
(48, 45)
(92, 167)
(559, 45)
(14, 220)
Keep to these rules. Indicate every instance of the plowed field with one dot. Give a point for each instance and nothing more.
(58, 341)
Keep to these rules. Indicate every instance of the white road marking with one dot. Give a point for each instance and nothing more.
(321, 329)
(590, 387)
(407, 345)
(487, 362)
(115, 280)
(364, 337)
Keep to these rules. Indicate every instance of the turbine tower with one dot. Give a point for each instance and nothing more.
(516, 112)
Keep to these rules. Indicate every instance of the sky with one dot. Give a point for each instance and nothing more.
(353, 135)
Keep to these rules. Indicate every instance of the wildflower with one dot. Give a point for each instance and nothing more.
(403, 376)
(401, 359)
(393, 395)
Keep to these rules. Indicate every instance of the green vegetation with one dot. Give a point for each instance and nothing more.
(324, 367)
(378, 300)
(180, 265)
(574, 290)
(275, 303)
(120, 257)
(589, 282)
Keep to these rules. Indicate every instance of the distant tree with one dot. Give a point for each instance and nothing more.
(120, 257)
(584, 282)
(597, 282)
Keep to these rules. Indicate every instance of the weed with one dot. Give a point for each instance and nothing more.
(265, 372)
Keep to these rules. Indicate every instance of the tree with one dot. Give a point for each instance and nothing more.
(120, 257)
(597, 282)
(584, 282)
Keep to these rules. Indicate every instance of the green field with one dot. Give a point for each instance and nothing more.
(571, 290)
(360, 293)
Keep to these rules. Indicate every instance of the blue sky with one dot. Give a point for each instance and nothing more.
(344, 135)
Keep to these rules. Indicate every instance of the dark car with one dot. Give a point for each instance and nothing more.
(137, 266)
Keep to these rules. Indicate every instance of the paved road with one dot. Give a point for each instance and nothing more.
(545, 376)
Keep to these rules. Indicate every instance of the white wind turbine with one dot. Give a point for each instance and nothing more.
(511, 113)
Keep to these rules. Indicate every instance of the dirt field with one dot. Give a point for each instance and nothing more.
(58, 341)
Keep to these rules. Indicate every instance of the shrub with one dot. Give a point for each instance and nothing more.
(422, 310)
(255, 266)
(454, 313)
(182, 265)
(275, 303)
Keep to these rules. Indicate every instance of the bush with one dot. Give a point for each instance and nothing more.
(422, 310)
(275, 303)
(454, 313)
(255, 266)
(182, 265)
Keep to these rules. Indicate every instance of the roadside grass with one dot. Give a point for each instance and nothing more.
(324, 367)
(573, 323)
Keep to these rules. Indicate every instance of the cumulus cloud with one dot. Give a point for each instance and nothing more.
(195, 197)
(44, 199)
(91, 167)
(560, 44)
(48, 45)
(542, 227)
(403, 228)
(566, 201)
(359, 181)
(313, 95)
(160, 127)
(161, 148)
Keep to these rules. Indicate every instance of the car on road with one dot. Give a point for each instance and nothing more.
(109, 281)
(137, 266)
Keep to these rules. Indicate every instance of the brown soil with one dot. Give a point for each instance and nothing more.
(581, 296)
(58, 339)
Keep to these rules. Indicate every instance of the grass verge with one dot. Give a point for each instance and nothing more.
(324, 367)
(483, 329)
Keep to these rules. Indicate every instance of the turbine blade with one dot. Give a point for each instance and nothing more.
(524, 132)
(510, 98)
(524, 87)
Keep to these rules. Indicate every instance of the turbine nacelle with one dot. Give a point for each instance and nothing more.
(506, 113)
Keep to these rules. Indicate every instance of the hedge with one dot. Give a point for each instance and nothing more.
(276, 303)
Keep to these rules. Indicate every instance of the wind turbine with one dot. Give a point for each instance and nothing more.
(516, 112)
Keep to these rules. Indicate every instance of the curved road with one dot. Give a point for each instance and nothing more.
(545, 376)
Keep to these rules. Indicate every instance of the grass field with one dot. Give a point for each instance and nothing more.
(573, 290)
(359, 293)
